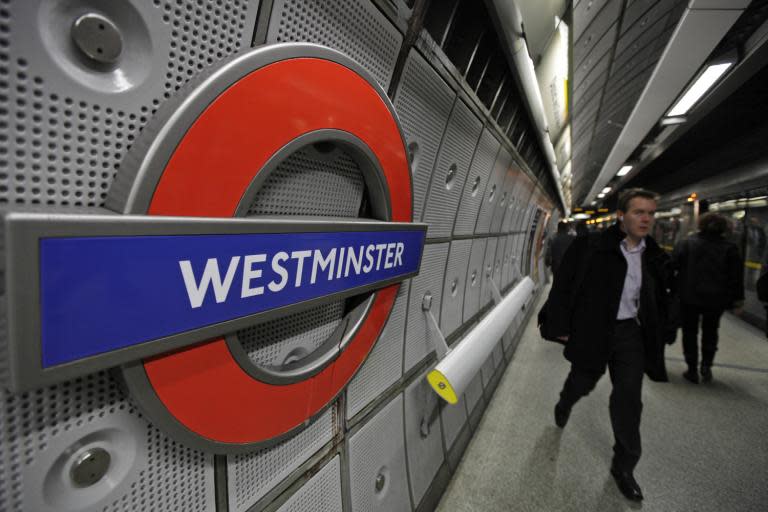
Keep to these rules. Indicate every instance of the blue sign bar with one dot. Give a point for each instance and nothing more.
(101, 294)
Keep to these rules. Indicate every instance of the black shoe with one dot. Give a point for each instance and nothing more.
(562, 413)
(627, 484)
(706, 373)
(691, 376)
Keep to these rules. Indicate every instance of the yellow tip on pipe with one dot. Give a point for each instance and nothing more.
(442, 387)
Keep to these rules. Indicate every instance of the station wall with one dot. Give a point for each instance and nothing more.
(387, 442)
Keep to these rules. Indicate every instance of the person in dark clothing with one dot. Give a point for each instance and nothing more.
(557, 246)
(581, 229)
(710, 280)
(615, 319)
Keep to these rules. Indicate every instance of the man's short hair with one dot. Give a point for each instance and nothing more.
(627, 195)
(562, 227)
(713, 224)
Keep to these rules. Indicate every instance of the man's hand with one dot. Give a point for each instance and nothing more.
(563, 338)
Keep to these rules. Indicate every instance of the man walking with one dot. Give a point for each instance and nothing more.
(557, 246)
(608, 303)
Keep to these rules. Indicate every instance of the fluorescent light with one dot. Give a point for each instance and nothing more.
(606, 190)
(624, 170)
(670, 121)
(702, 84)
(601, 195)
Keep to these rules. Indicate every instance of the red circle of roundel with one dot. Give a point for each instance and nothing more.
(203, 387)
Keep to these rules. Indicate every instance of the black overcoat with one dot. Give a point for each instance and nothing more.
(587, 315)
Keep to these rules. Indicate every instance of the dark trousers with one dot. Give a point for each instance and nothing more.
(626, 365)
(710, 322)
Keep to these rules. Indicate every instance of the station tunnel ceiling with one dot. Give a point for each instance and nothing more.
(615, 48)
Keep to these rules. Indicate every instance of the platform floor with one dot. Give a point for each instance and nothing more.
(705, 447)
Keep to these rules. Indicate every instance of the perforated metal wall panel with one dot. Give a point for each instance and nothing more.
(507, 268)
(513, 192)
(474, 278)
(477, 180)
(493, 191)
(450, 172)
(453, 416)
(308, 182)
(384, 365)
(418, 339)
(279, 341)
(489, 260)
(355, 28)
(252, 475)
(377, 453)
(423, 436)
(73, 120)
(505, 192)
(46, 435)
(423, 103)
(322, 493)
(498, 265)
(454, 286)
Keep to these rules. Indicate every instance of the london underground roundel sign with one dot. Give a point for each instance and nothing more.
(205, 156)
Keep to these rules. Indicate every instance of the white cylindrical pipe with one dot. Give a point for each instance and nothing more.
(453, 374)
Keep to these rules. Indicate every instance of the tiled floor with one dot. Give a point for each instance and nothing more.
(705, 446)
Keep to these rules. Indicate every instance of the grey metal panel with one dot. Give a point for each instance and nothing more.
(634, 56)
(589, 72)
(583, 127)
(423, 103)
(450, 172)
(488, 266)
(505, 193)
(454, 286)
(477, 180)
(588, 41)
(376, 451)
(357, 29)
(518, 255)
(453, 417)
(583, 14)
(498, 260)
(418, 339)
(637, 8)
(487, 371)
(493, 191)
(501, 256)
(43, 434)
(474, 392)
(647, 29)
(498, 354)
(322, 493)
(423, 436)
(507, 269)
(250, 476)
(474, 278)
(328, 184)
(384, 365)
(513, 193)
(73, 121)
